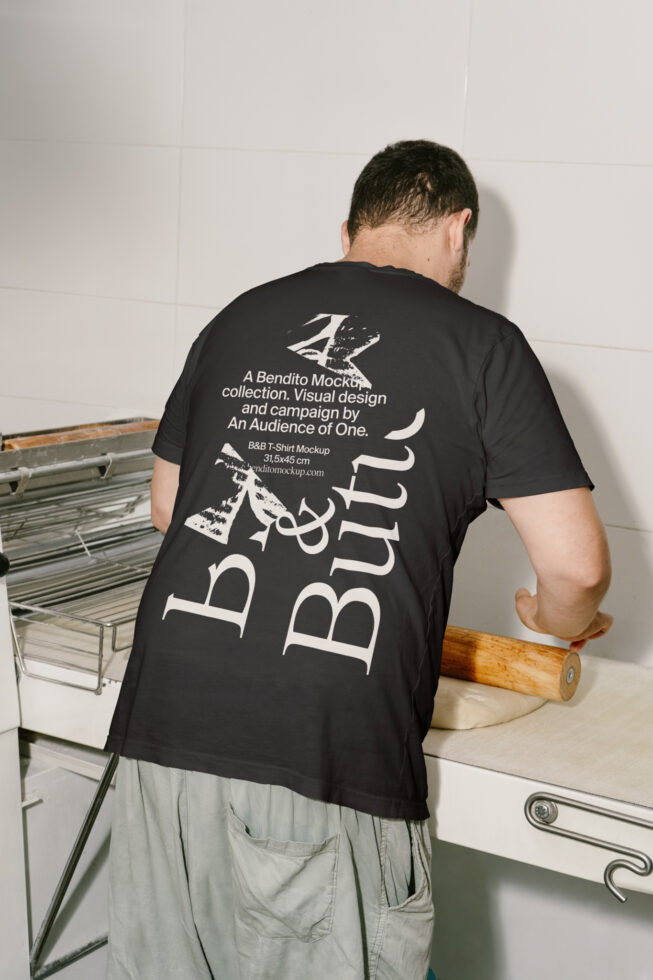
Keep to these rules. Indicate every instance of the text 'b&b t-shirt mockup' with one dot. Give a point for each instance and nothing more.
(337, 431)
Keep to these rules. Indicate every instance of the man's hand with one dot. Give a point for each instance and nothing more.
(527, 610)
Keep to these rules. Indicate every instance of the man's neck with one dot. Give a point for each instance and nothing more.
(398, 259)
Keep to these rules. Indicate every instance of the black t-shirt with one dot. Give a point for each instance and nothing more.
(338, 429)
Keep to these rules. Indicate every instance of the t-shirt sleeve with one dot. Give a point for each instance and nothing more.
(170, 437)
(528, 447)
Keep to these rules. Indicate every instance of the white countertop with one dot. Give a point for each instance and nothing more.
(598, 742)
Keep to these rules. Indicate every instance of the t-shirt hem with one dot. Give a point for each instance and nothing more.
(381, 806)
(167, 451)
(528, 488)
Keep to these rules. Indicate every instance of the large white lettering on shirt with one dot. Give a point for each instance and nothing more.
(217, 521)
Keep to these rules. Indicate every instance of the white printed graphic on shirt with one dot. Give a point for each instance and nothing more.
(345, 336)
(216, 522)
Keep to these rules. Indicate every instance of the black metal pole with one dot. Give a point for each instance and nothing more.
(73, 860)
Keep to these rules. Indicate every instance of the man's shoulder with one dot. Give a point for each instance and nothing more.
(429, 297)
(496, 326)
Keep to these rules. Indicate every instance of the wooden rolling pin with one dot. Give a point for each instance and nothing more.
(518, 665)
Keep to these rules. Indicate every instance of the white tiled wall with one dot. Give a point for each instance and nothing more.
(158, 157)
(347, 77)
(84, 71)
(564, 81)
(249, 216)
(556, 133)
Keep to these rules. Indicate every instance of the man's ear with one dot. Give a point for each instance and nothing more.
(457, 222)
(344, 237)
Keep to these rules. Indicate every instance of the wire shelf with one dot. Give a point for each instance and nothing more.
(77, 531)
(93, 635)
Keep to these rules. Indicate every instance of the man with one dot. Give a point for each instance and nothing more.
(331, 437)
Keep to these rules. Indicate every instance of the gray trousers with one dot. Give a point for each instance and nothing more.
(212, 877)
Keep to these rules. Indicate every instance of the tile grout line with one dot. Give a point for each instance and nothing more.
(624, 527)
(466, 90)
(562, 163)
(217, 307)
(364, 154)
(175, 334)
(315, 152)
(576, 343)
(117, 299)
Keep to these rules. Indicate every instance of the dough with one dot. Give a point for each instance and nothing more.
(467, 704)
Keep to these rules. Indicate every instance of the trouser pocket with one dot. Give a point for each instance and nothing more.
(283, 888)
(407, 900)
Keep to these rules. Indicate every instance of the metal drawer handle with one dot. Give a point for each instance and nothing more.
(541, 811)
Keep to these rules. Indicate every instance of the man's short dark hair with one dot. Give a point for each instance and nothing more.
(415, 182)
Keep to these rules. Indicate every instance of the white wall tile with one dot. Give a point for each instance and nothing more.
(560, 81)
(28, 414)
(87, 349)
(87, 218)
(564, 250)
(85, 70)
(493, 564)
(190, 321)
(350, 77)
(604, 396)
(248, 217)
